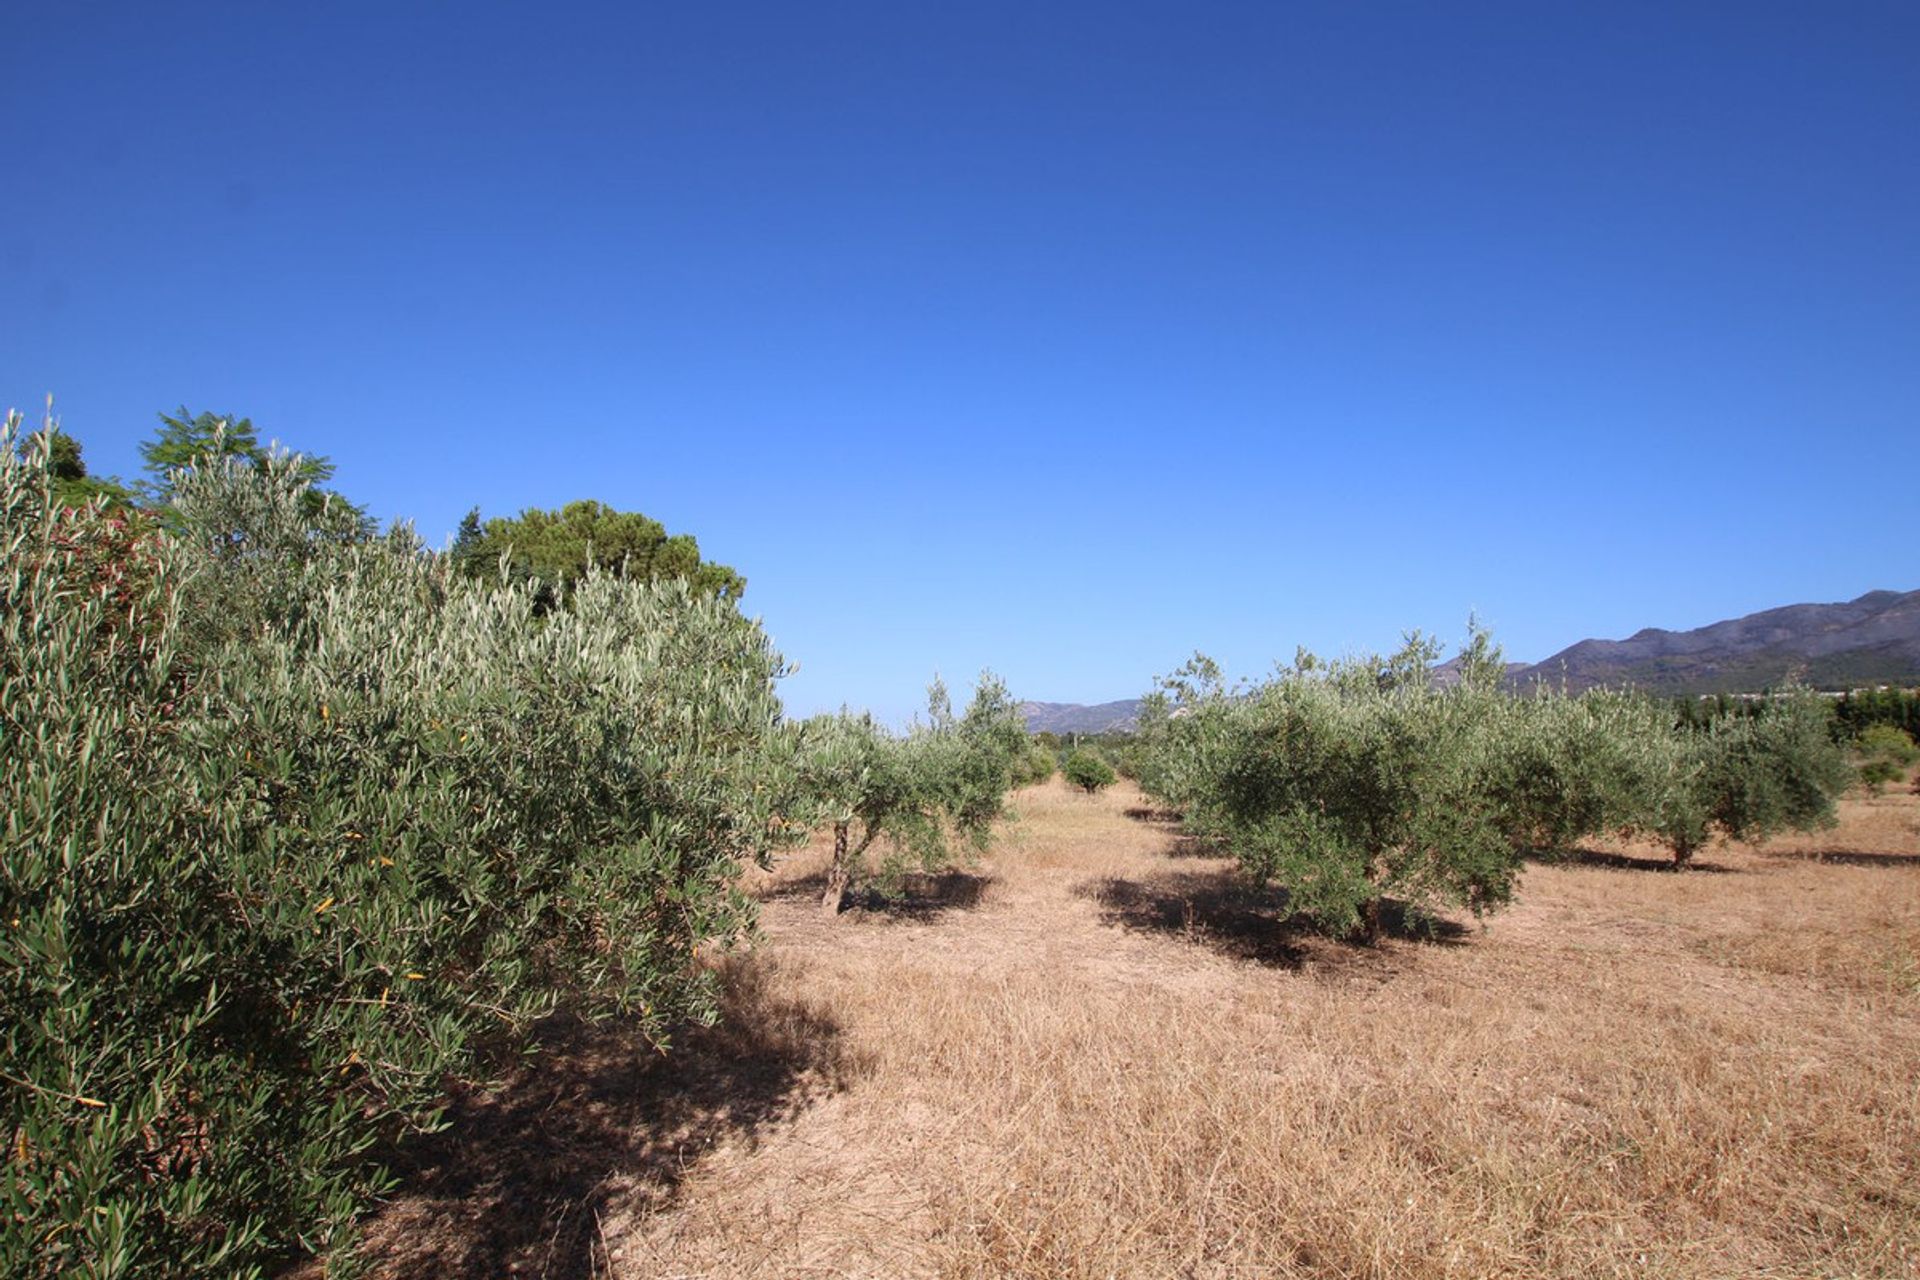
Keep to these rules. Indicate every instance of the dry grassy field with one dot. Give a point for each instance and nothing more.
(1094, 1054)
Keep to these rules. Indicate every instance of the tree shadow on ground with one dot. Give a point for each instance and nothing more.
(922, 896)
(1229, 915)
(518, 1181)
(1186, 846)
(1622, 862)
(1181, 844)
(1846, 857)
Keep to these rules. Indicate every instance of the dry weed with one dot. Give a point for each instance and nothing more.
(1108, 1058)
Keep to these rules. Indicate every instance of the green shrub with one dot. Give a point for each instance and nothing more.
(1875, 774)
(1889, 743)
(1886, 753)
(1350, 781)
(1035, 765)
(1086, 770)
(302, 827)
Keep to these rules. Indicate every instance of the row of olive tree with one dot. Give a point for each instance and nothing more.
(1365, 779)
(305, 822)
(301, 824)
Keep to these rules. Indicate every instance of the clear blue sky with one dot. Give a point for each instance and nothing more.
(1058, 339)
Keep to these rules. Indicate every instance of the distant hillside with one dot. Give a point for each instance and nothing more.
(1074, 717)
(1447, 674)
(1871, 640)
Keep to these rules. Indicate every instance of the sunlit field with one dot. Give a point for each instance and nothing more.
(1095, 1053)
(932, 641)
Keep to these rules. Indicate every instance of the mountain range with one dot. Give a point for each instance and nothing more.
(1872, 640)
(1076, 717)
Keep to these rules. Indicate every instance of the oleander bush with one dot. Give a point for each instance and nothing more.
(301, 826)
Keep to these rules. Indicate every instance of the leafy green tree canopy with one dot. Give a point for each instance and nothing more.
(554, 549)
(72, 485)
(1886, 753)
(1343, 781)
(188, 441)
(1036, 764)
(304, 829)
(1086, 770)
(1747, 777)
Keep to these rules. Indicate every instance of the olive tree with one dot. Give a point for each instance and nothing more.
(914, 794)
(1181, 732)
(1742, 777)
(1561, 769)
(1345, 782)
(1886, 753)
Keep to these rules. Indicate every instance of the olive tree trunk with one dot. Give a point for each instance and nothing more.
(1373, 925)
(839, 875)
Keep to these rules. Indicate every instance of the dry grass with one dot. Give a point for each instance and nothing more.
(1096, 1055)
